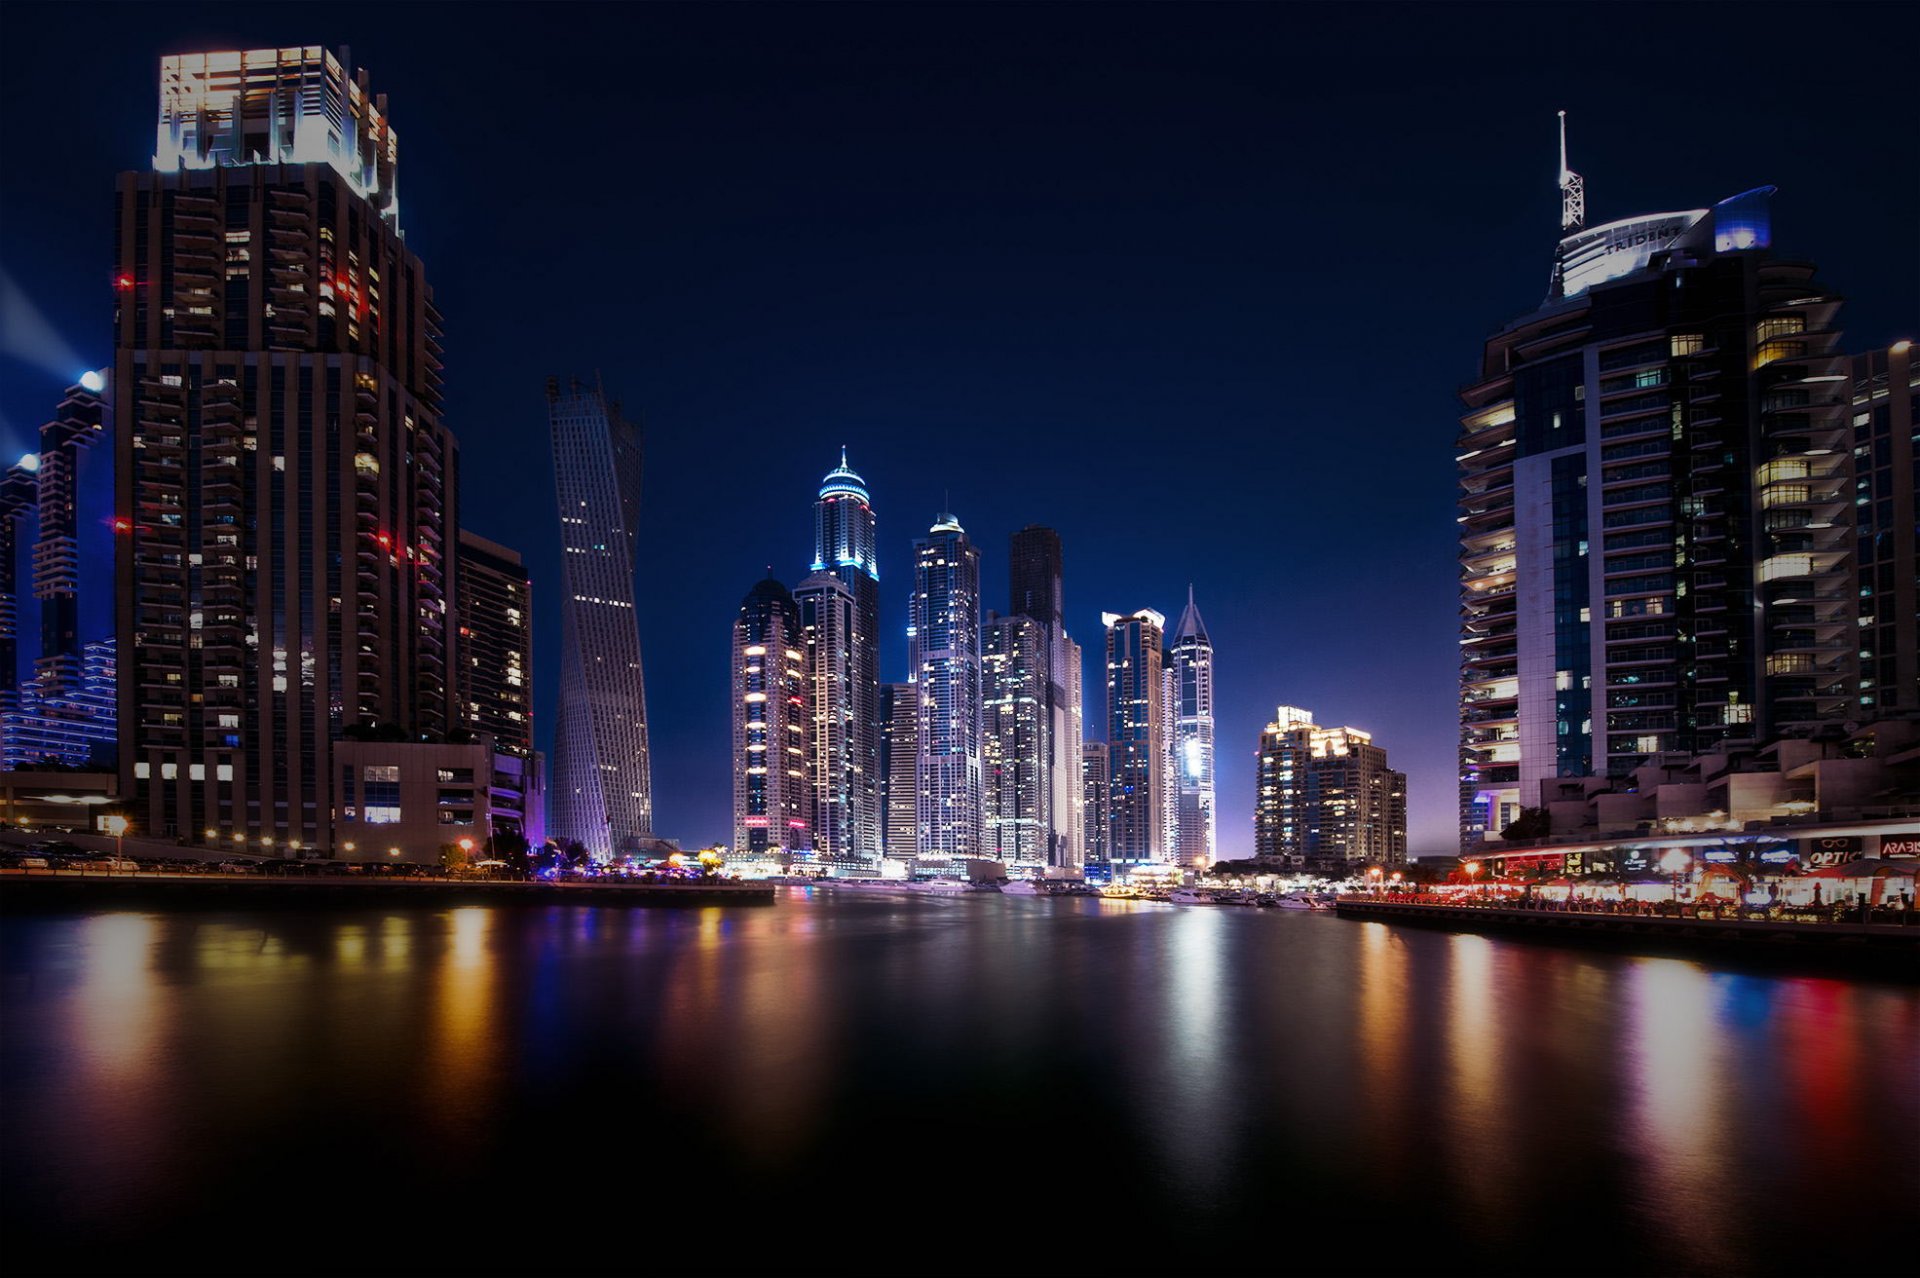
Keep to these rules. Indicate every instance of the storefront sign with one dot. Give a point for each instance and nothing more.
(1831, 849)
(1901, 847)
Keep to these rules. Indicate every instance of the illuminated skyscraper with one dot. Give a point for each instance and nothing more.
(1191, 658)
(829, 618)
(843, 544)
(56, 533)
(899, 755)
(496, 643)
(1656, 542)
(1886, 470)
(286, 485)
(944, 651)
(771, 798)
(1137, 744)
(602, 774)
(1095, 803)
(1035, 561)
(1016, 769)
(1325, 799)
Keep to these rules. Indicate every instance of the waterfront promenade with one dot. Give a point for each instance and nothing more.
(99, 889)
(1888, 940)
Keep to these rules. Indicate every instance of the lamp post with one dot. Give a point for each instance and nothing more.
(1473, 872)
(1675, 862)
(117, 827)
(1374, 875)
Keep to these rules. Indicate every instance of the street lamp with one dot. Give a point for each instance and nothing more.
(1675, 862)
(1473, 872)
(116, 825)
(1374, 874)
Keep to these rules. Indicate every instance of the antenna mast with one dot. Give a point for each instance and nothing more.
(1573, 191)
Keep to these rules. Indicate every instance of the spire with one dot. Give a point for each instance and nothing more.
(1573, 190)
(1190, 624)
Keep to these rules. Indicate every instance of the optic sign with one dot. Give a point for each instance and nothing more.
(1618, 248)
(1899, 847)
(1831, 849)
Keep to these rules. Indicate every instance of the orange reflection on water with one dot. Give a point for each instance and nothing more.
(1383, 997)
(1479, 1144)
(463, 1043)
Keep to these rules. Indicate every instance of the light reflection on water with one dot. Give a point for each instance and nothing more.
(1215, 1072)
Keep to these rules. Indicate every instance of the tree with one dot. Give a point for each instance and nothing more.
(577, 854)
(511, 846)
(1531, 824)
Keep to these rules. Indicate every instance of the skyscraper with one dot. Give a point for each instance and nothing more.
(771, 797)
(1036, 574)
(56, 533)
(899, 755)
(943, 638)
(1191, 657)
(1886, 470)
(829, 619)
(602, 773)
(1326, 799)
(1655, 549)
(1137, 747)
(496, 643)
(843, 544)
(286, 485)
(1016, 770)
(1095, 803)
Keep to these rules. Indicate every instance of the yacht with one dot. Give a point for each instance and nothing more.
(1191, 896)
(1020, 887)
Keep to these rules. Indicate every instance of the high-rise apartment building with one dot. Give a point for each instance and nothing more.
(286, 487)
(495, 604)
(943, 639)
(1138, 751)
(1886, 470)
(899, 755)
(843, 545)
(771, 797)
(1016, 768)
(829, 619)
(1037, 592)
(1095, 803)
(602, 771)
(1656, 549)
(56, 534)
(1325, 799)
(1190, 659)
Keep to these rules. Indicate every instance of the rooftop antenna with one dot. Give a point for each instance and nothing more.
(1573, 191)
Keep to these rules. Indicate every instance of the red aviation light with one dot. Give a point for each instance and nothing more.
(122, 525)
(123, 282)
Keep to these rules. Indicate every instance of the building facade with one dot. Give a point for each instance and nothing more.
(1138, 752)
(1036, 574)
(1190, 658)
(829, 618)
(1325, 799)
(426, 802)
(1886, 470)
(943, 640)
(1656, 543)
(495, 604)
(843, 545)
(1016, 765)
(899, 756)
(284, 483)
(771, 797)
(602, 770)
(1094, 804)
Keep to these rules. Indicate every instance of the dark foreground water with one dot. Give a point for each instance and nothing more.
(996, 1084)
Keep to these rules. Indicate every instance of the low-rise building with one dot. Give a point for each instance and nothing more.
(412, 800)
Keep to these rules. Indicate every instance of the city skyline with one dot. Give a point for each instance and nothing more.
(1403, 616)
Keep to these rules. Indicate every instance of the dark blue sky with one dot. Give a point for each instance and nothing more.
(1195, 285)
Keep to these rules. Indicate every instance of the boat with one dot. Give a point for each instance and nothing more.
(1020, 887)
(1191, 896)
(1296, 901)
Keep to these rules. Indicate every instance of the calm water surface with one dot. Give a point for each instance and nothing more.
(915, 1084)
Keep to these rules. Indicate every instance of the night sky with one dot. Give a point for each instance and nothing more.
(1194, 285)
